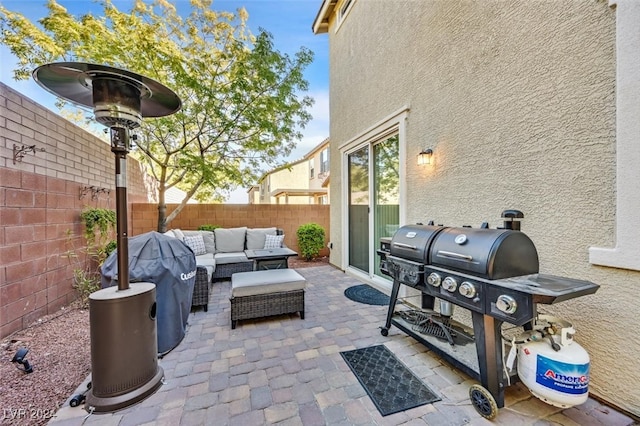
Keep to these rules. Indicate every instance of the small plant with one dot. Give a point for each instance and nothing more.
(99, 225)
(207, 227)
(85, 283)
(310, 240)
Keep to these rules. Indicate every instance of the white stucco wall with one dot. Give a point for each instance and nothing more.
(517, 99)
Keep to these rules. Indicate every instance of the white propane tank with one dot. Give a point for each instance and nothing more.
(559, 378)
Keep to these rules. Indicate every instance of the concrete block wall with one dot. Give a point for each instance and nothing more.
(41, 198)
(288, 217)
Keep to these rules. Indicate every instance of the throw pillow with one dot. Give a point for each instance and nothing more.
(273, 241)
(196, 243)
(207, 236)
(255, 237)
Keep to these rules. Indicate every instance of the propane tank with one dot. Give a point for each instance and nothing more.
(552, 365)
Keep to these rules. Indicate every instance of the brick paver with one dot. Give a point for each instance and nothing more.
(287, 371)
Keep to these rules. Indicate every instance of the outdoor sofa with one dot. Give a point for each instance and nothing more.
(220, 253)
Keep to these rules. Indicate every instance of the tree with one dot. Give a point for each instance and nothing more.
(241, 102)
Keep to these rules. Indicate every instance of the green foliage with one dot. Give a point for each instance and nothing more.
(110, 247)
(98, 223)
(242, 103)
(310, 240)
(208, 227)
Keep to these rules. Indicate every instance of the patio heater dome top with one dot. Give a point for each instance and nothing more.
(118, 97)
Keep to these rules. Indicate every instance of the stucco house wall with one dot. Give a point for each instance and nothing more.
(517, 99)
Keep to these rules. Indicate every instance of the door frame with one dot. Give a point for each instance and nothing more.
(394, 123)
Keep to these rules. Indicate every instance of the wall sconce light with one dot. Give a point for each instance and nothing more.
(425, 157)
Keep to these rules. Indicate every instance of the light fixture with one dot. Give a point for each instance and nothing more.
(425, 157)
(19, 358)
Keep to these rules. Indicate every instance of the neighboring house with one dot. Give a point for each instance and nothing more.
(175, 195)
(305, 181)
(528, 105)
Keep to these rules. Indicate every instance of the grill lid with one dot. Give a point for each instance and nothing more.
(412, 242)
(486, 253)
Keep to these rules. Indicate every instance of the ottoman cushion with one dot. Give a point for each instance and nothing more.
(265, 282)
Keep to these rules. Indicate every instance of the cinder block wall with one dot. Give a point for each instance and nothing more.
(41, 199)
(289, 217)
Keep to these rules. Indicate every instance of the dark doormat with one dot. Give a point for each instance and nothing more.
(364, 293)
(389, 383)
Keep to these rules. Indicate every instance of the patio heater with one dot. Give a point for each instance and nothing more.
(124, 344)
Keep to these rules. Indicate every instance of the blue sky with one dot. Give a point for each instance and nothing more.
(289, 21)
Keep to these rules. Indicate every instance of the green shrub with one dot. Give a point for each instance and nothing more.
(207, 227)
(310, 240)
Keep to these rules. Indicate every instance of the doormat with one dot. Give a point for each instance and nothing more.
(364, 293)
(389, 383)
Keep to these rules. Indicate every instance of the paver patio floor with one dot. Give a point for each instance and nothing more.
(287, 371)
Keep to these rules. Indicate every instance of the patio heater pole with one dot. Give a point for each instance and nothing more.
(120, 147)
(124, 345)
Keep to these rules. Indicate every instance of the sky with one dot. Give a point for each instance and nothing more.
(289, 21)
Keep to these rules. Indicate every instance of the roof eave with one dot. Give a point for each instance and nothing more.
(321, 23)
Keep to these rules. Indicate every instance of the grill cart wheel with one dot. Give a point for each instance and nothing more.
(384, 331)
(483, 402)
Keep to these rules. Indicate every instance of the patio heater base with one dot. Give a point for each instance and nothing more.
(124, 347)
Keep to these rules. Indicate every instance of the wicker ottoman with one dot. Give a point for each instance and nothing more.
(260, 294)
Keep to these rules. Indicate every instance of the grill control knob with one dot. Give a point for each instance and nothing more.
(506, 304)
(450, 284)
(434, 279)
(467, 289)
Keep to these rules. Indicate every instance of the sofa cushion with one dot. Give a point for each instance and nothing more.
(233, 257)
(208, 262)
(266, 282)
(230, 239)
(256, 237)
(207, 236)
(179, 234)
(273, 241)
(196, 243)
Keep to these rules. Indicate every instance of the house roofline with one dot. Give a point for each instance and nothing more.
(321, 23)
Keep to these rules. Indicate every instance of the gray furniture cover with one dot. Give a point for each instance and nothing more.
(171, 266)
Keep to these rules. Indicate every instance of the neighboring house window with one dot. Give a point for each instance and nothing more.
(324, 161)
(311, 169)
(626, 253)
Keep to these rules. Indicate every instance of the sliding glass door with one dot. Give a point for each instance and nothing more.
(373, 198)
(358, 166)
(386, 193)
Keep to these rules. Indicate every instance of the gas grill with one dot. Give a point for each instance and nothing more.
(493, 273)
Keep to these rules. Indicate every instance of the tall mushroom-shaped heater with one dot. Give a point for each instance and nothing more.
(124, 345)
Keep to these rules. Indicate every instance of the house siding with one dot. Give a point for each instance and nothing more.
(517, 101)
